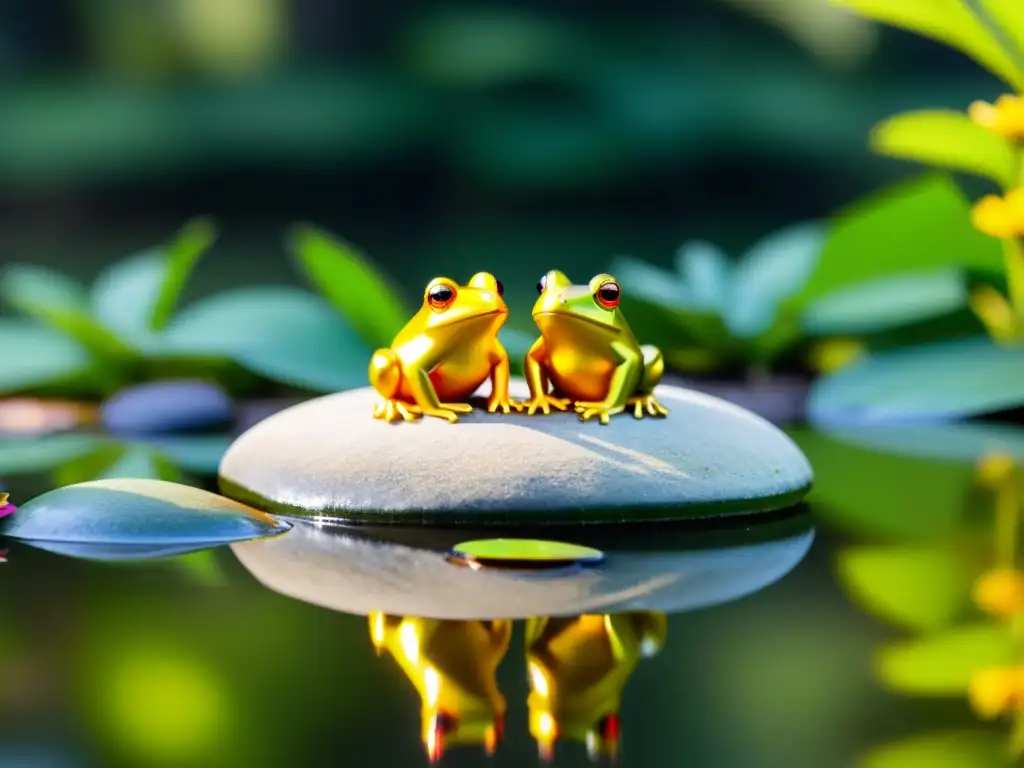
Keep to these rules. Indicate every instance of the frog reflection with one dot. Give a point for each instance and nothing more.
(578, 668)
(452, 664)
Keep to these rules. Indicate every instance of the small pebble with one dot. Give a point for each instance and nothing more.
(166, 407)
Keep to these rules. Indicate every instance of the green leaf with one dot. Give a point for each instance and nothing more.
(947, 21)
(915, 226)
(60, 302)
(931, 383)
(1009, 15)
(191, 242)
(944, 663)
(201, 568)
(88, 467)
(200, 454)
(955, 749)
(950, 140)
(27, 455)
(908, 499)
(34, 355)
(920, 588)
(886, 303)
(140, 462)
(284, 334)
(961, 442)
(124, 294)
(352, 283)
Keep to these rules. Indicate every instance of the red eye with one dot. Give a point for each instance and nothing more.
(608, 295)
(440, 296)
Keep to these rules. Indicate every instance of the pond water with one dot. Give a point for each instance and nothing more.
(759, 642)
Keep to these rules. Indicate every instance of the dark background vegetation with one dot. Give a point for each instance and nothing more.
(513, 137)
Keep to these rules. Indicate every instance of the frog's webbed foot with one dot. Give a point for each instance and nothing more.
(447, 411)
(602, 411)
(392, 410)
(544, 404)
(503, 404)
(646, 405)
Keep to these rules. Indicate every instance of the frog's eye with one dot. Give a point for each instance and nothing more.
(608, 294)
(440, 296)
(542, 284)
(501, 287)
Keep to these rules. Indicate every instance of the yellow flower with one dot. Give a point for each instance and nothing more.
(995, 690)
(1000, 217)
(1004, 118)
(1000, 593)
(833, 354)
(993, 469)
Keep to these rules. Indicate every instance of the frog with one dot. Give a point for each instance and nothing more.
(587, 353)
(453, 666)
(446, 351)
(578, 668)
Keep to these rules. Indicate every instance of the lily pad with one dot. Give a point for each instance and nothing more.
(524, 553)
(137, 513)
(931, 383)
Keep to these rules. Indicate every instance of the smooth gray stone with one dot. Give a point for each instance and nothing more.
(335, 570)
(166, 407)
(134, 513)
(329, 458)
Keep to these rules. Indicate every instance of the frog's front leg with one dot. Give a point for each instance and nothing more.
(385, 374)
(644, 402)
(623, 384)
(537, 379)
(428, 403)
(500, 373)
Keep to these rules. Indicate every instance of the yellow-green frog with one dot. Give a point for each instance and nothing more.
(588, 354)
(444, 353)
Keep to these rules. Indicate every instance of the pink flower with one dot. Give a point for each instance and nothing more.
(5, 508)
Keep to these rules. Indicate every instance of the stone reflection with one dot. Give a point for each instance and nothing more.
(453, 665)
(577, 669)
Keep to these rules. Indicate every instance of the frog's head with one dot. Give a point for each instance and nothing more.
(446, 303)
(594, 307)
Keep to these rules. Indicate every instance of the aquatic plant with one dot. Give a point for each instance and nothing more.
(958, 379)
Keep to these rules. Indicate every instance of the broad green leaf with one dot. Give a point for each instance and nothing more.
(887, 302)
(124, 294)
(194, 239)
(352, 283)
(947, 139)
(908, 499)
(284, 334)
(943, 664)
(773, 270)
(947, 21)
(931, 383)
(706, 274)
(200, 454)
(954, 749)
(920, 225)
(60, 302)
(961, 442)
(34, 355)
(27, 455)
(648, 282)
(142, 463)
(88, 467)
(1009, 15)
(919, 588)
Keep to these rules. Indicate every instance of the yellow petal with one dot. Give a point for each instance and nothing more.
(1000, 593)
(992, 216)
(991, 691)
(995, 313)
(983, 113)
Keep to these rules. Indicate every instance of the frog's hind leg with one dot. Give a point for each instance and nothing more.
(643, 402)
(386, 377)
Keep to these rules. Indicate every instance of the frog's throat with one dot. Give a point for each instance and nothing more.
(470, 318)
(581, 318)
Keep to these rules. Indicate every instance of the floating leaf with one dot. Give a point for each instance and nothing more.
(886, 303)
(284, 334)
(955, 749)
(34, 355)
(962, 442)
(917, 226)
(194, 239)
(1009, 15)
(942, 664)
(352, 283)
(773, 270)
(523, 553)
(137, 512)
(947, 21)
(915, 587)
(26, 455)
(947, 139)
(931, 383)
